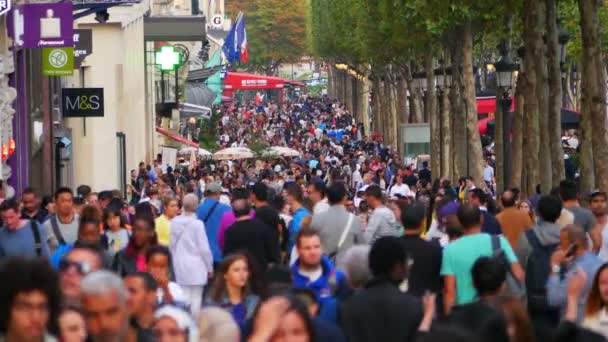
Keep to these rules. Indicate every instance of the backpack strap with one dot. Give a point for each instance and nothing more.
(37, 239)
(56, 230)
(533, 239)
(495, 243)
(210, 212)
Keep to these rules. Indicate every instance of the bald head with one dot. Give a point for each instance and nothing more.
(508, 199)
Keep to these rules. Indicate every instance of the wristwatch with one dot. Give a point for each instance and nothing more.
(555, 269)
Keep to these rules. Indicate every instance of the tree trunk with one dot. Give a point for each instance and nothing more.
(331, 83)
(594, 89)
(555, 95)
(431, 114)
(446, 133)
(531, 37)
(457, 115)
(517, 132)
(541, 90)
(475, 153)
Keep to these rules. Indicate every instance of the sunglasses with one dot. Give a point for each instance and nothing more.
(82, 268)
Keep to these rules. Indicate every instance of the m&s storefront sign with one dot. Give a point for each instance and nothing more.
(82, 102)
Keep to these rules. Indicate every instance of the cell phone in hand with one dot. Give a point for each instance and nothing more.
(571, 250)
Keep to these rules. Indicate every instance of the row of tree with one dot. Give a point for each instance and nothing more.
(384, 43)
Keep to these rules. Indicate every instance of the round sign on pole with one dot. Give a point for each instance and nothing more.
(217, 21)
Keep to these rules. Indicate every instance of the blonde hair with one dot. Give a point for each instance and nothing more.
(217, 325)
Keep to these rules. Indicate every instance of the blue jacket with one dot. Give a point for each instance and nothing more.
(212, 226)
(328, 287)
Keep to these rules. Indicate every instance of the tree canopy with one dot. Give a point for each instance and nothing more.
(276, 32)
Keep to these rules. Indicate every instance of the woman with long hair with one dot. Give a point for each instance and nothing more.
(132, 258)
(596, 308)
(526, 207)
(231, 288)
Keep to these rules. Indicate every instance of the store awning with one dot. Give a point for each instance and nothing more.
(243, 81)
(487, 105)
(176, 137)
(295, 84)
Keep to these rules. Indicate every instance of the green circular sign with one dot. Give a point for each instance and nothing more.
(58, 58)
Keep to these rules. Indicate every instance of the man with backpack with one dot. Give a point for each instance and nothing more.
(534, 251)
(62, 228)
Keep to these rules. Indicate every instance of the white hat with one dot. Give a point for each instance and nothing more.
(182, 318)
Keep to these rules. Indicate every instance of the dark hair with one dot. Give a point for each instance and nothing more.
(241, 207)
(319, 186)
(89, 215)
(105, 195)
(260, 191)
(83, 190)
(240, 193)
(336, 193)
(413, 216)
(374, 191)
(114, 211)
(295, 191)
(26, 276)
(150, 283)
(218, 287)
(568, 190)
(598, 193)
(145, 211)
(479, 194)
(159, 249)
(9, 204)
(30, 190)
(469, 215)
(63, 190)
(296, 306)
(305, 233)
(306, 295)
(549, 208)
(385, 253)
(488, 275)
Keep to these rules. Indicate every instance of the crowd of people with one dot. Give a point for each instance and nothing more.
(347, 242)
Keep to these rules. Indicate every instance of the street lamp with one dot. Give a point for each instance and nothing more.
(506, 72)
(420, 82)
(439, 77)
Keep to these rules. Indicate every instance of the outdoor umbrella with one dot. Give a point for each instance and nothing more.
(233, 153)
(282, 151)
(189, 150)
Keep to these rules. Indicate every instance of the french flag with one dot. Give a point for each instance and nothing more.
(242, 46)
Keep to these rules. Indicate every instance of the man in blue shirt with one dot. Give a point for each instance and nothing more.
(18, 237)
(313, 270)
(295, 198)
(211, 212)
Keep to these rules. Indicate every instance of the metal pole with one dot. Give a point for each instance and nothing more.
(506, 129)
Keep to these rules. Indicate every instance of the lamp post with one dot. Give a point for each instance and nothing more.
(506, 73)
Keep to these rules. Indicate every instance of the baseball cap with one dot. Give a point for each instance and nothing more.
(215, 188)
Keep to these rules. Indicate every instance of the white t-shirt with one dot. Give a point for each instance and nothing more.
(488, 173)
(176, 292)
(312, 275)
(400, 189)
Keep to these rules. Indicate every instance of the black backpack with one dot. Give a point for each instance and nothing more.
(538, 268)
